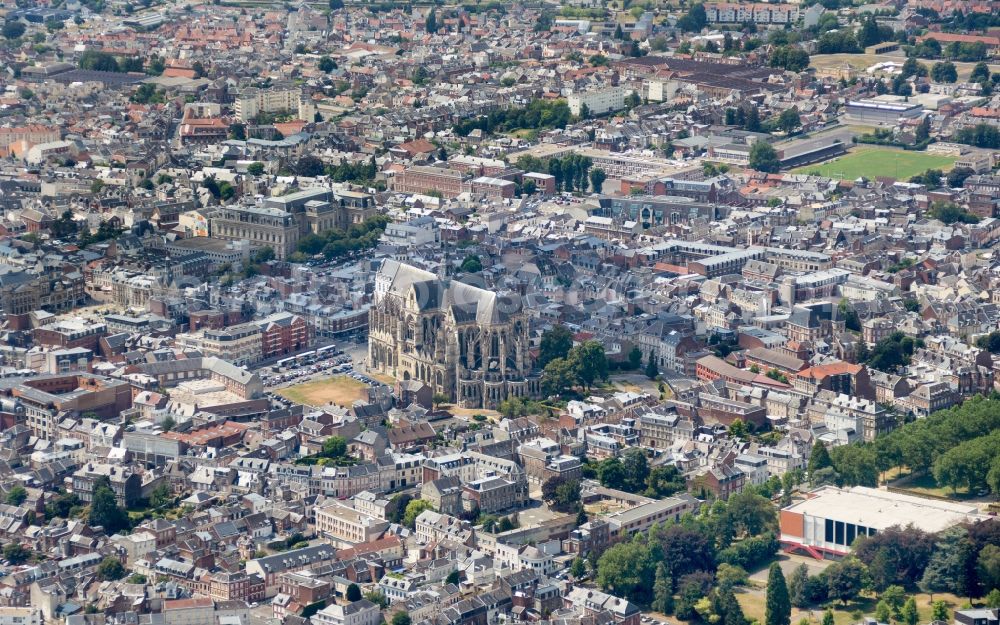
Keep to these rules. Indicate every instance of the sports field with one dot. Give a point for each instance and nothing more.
(873, 161)
(340, 390)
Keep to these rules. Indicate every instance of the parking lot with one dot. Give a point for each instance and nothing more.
(345, 357)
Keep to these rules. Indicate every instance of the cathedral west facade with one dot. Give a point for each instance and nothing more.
(468, 343)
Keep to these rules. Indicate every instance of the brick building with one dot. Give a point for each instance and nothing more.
(424, 179)
(283, 333)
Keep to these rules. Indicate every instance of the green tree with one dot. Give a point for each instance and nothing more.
(828, 617)
(430, 24)
(471, 264)
(958, 175)
(694, 20)
(634, 358)
(556, 343)
(15, 553)
(988, 566)
(939, 611)
(729, 607)
(562, 494)
(764, 158)
(691, 590)
(558, 376)
(156, 66)
(611, 473)
(335, 447)
(651, 369)
(663, 591)
(16, 495)
(455, 577)
(924, 129)
(636, 469)
(413, 510)
(791, 58)
(778, 607)
(909, 614)
(894, 596)
(980, 72)
(439, 399)
(110, 569)
(378, 598)
(847, 578)
(61, 505)
(993, 599)
(591, 362)
(326, 65)
(789, 119)
(353, 593)
(263, 255)
(160, 496)
(729, 576)
(819, 458)
(104, 508)
(664, 481)
(625, 568)
(946, 570)
(797, 586)
(578, 568)
(168, 423)
(944, 72)
(597, 178)
(400, 618)
(12, 29)
(255, 168)
(883, 613)
(397, 507)
(98, 61)
(746, 514)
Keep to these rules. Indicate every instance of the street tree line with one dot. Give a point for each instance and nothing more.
(957, 445)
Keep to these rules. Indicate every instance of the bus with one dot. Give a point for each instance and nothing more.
(305, 357)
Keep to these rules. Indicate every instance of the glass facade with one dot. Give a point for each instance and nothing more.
(840, 533)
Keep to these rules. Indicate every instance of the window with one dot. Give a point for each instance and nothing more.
(851, 533)
(839, 533)
(828, 534)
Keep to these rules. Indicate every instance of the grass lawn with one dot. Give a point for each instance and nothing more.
(862, 61)
(752, 601)
(340, 390)
(381, 377)
(468, 413)
(926, 485)
(872, 161)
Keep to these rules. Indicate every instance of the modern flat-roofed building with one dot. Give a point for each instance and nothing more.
(758, 13)
(879, 112)
(599, 101)
(20, 616)
(827, 523)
